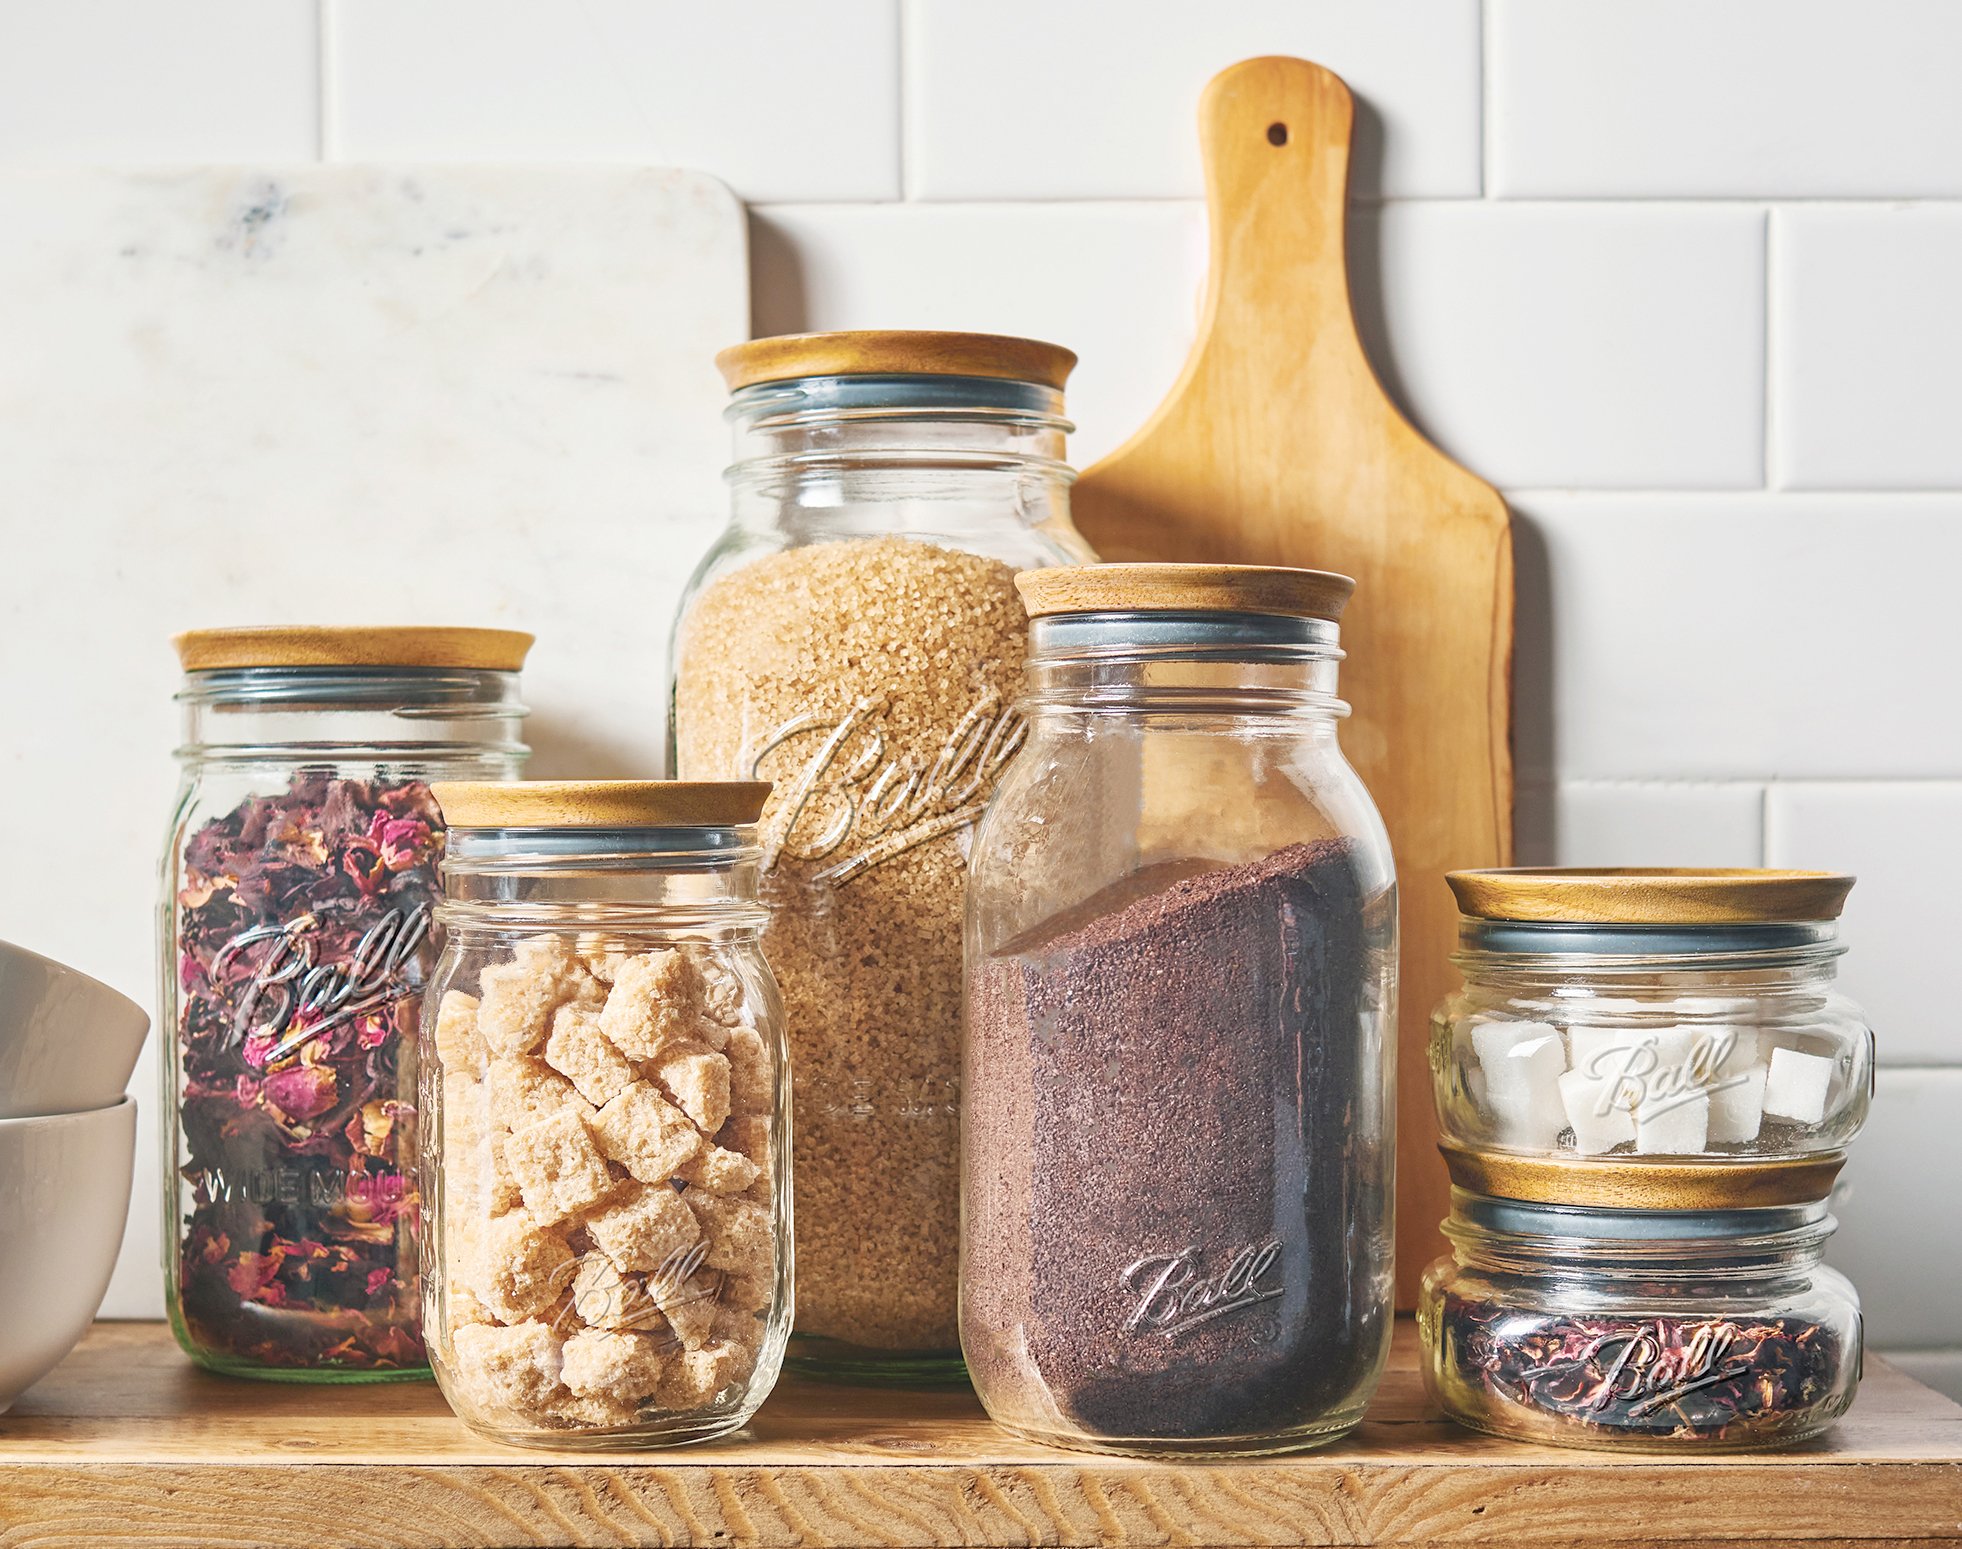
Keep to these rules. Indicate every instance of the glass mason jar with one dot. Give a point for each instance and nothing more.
(1178, 1116)
(856, 638)
(604, 1147)
(1636, 1014)
(298, 881)
(1709, 1329)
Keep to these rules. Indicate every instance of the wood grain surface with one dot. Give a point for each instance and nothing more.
(1277, 446)
(127, 1444)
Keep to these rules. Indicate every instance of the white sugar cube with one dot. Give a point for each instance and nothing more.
(1737, 1105)
(1796, 1085)
(1599, 1122)
(1673, 1126)
(1522, 1063)
(1637, 1056)
(1743, 1051)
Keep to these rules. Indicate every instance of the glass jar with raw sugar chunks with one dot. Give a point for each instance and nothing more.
(299, 881)
(1650, 1015)
(855, 637)
(607, 1248)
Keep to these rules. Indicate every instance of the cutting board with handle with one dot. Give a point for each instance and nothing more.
(1278, 446)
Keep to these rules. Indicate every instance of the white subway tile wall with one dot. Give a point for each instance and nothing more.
(1641, 262)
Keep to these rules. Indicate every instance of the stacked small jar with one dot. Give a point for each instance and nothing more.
(1644, 1093)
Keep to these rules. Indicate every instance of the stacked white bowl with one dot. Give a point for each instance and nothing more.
(67, 1146)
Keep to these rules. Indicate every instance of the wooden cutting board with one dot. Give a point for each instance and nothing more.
(1278, 446)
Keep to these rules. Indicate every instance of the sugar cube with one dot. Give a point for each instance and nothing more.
(646, 1229)
(1673, 1126)
(459, 1046)
(1599, 1122)
(585, 1056)
(613, 1364)
(1737, 1105)
(646, 1134)
(656, 1000)
(697, 1080)
(1796, 1086)
(557, 1167)
(1522, 1062)
(505, 1370)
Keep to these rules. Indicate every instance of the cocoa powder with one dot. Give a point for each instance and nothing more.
(1169, 1197)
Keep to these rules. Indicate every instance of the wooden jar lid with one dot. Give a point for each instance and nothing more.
(1663, 896)
(303, 645)
(1277, 589)
(895, 352)
(600, 803)
(1638, 1183)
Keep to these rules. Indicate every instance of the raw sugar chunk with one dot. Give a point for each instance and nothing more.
(461, 1306)
(1796, 1086)
(511, 1370)
(646, 1134)
(697, 1079)
(647, 1228)
(518, 999)
(1673, 1126)
(583, 1412)
(501, 1191)
(1737, 1106)
(751, 1077)
(689, 1304)
(524, 1090)
(739, 1231)
(748, 1134)
(459, 1046)
(719, 1171)
(656, 1000)
(609, 1364)
(520, 1267)
(580, 1052)
(557, 1167)
(603, 956)
(604, 1296)
(697, 1376)
(1584, 1098)
(722, 992)
(466, 1113)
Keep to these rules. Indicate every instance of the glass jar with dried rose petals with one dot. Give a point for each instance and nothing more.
(299, 888)
(604, 1146)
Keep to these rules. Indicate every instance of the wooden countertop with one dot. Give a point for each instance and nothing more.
(126, 1443)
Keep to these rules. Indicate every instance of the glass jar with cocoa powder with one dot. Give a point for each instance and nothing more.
(1177, 1126)
(856, 638)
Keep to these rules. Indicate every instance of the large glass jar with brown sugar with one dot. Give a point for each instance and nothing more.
(855, 637)
(300, 878)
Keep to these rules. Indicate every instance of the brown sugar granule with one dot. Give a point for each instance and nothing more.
(871, 679)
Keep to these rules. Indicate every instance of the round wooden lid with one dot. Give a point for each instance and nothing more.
(1314, 594)
(1616, 1183)
(1649, 896)
(600, 803)
(304, 645)
(895, 352)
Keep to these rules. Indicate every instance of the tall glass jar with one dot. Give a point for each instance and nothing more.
(1653, 1015)
(603, 1152)
(1178, 1118)
(855, 637)
(299, 880)
(1683, 1327)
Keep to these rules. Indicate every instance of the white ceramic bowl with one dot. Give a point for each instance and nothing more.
(67, 1042)
(64, 1195)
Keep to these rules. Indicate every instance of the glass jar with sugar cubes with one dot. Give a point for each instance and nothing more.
(1631, 1016)
(606, 1238)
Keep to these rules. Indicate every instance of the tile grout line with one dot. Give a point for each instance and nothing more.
(903, 97)
(326, 67)
(1485, 148)
(1772, 473)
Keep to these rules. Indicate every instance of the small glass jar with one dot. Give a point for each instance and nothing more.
(298, 880)
(604, 1152)
(1711, 1330)
(1177, 1127)
(1654, 1014)
(855, 637)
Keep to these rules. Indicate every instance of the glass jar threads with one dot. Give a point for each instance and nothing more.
(299, 878)
(1177, 1133)
(855, 637)
(1710, 1328)
(1639, 1014)
(607, 1243)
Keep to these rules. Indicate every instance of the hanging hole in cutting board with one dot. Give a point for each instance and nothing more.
(1277, 134)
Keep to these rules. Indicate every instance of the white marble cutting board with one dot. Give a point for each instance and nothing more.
(337, 395)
